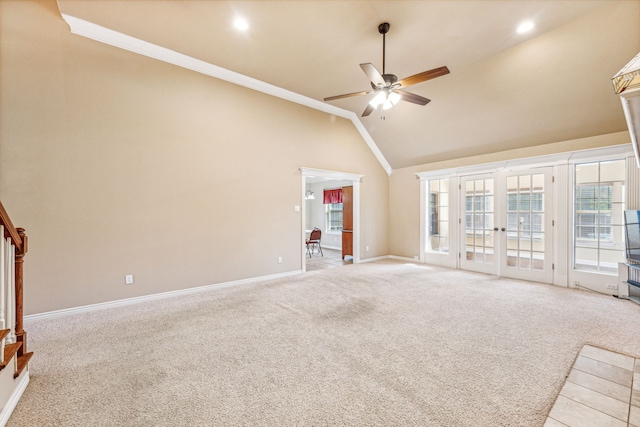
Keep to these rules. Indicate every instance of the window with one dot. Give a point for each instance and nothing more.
(598, 222)
(525, 207)
(334, 216)
(438, 215)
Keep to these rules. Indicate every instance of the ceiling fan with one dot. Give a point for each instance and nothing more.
(387, 88)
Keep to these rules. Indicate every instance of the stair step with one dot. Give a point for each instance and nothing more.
(10, 350)
(4, 333)
(23, 361)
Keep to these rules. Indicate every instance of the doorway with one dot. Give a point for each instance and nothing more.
(317, 214)
(506, 225)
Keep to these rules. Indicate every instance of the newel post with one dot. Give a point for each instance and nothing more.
(21, 335)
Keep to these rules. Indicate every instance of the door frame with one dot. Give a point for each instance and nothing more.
(355, 179)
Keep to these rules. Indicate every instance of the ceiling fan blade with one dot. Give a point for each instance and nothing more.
(347, 95)
(424, 76)
(373, 74)
(413, 98)
(370, 108)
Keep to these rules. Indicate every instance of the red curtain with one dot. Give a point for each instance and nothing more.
(332, 196)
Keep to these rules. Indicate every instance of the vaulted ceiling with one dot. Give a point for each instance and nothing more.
(506, 90)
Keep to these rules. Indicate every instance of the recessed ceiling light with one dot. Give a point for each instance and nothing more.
(241, 24)
(525, 26)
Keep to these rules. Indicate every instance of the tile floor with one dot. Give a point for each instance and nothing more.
(332, 258)
(602, 390)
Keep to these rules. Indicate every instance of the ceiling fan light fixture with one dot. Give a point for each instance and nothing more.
(394, 97)
(380, 98)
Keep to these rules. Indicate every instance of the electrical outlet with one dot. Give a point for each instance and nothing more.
(612, 286)
(279, 260)
(128, 279)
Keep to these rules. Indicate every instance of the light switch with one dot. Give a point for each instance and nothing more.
(296, 208)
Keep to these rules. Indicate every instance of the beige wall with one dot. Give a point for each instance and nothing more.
(119, 164)
(404, 188)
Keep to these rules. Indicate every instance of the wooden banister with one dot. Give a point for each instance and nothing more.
(10, 230)
(19, 240)
(21, 335)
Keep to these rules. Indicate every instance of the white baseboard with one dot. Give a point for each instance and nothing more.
(378, 258)
(23, 381)
(151, 297)
(401, 258)
(335, 248)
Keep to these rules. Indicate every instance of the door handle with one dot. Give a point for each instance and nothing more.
(495, 228)
(502, 229)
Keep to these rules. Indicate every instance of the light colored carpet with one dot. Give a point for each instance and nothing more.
(378, 344)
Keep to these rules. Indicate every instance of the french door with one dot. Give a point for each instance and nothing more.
(506, 226)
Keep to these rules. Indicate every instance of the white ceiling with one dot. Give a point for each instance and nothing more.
(505, 90)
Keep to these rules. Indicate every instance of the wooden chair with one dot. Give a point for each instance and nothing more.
(313, 240)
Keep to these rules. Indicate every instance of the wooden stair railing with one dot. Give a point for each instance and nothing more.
(20, 242)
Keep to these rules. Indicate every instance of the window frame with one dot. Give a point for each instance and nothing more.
(599, 241)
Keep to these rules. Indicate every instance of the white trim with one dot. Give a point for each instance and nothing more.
(402, 258)
(436, 174)
(332, 175)
(530, 162)
(11, 404)
(630, 105)
(114, 38)
(424, 188)
(377, 258)
(161, 295)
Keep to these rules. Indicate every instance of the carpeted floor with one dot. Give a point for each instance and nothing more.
(378, 344)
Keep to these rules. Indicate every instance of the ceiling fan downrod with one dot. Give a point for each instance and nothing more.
(383, 29)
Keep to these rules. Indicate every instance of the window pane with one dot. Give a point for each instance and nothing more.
(334, 217)
(438, 215)
(599, 201)
(612, 171)
(538, 182)
(512, 222)
(537, 202)
(587, 173)
(524, 202)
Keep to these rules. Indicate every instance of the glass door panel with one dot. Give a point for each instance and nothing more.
(526, 237)
(479, 222)
(505, 229)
